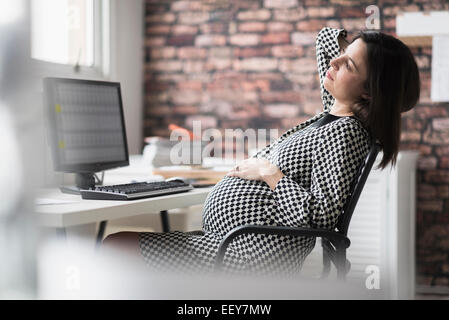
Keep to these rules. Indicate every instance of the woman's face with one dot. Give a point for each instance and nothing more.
(345, 78)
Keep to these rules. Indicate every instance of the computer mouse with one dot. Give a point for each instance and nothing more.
(181, 179)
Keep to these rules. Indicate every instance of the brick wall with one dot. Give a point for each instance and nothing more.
(251, 64)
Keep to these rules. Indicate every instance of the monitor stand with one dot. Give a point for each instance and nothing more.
(82, 180)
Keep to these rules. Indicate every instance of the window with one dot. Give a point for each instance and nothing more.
(69, 32)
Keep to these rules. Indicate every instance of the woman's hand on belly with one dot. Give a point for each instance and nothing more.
(257, 169)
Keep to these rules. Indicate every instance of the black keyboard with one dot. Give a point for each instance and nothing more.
(136, 190)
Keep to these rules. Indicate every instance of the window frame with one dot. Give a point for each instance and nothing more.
(101, 67)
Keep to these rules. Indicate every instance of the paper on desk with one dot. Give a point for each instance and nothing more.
(46, 201)
(440, 69)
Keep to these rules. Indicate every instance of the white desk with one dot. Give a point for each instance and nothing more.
(81, 216)
(80, 211)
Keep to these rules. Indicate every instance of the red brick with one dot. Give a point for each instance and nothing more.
(193, 17)
(444, 162)
(321, 12)
(221, 15)
(309, 81)
(412, 124)
(216, 85)
(435, 5)
(442, 192)
(280, 3)
(442, 150)
(190, 85)
(426, 191)
(156, 86)
(184, 29)
(208, 40)
(251, 52)
(259, 84)
(154, 41)
(167, 17)
(311, 25)
(281, 96)
(261, 14)
(287, 51)
(294, 14)
(163, 53)
(255, 64)
(220, 52)
(437, 176)
(351, 12)
(265, 76)
(229, 75)
(158, 110)
(353, 24)
(292, 122)
(165, 65)
(193, 66)
(158, 29)
(430, 205)
(304, 65)
(435, 137)
(191, 53)
(304, 38)
(185, 110)
(218, 27)
(275, 38)
(431, 111)
(427, 163)
(205, 121)
(412, 136)
(333, 23)
(244, 39)
(394, 10)
(252, 27)
(243, 111)
(281, 110)
(441, 124)
(181, 40)
(276, 26)
(218, 63)
(389, 23)
(171, 77)
(311, 107)
(186, 5)
(183, 97)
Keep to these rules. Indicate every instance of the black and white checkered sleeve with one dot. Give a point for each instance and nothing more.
(327, 48)
(339, 152)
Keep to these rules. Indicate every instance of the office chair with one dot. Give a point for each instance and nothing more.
(334, 242)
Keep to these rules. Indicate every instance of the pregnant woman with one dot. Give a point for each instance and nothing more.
(303, 178)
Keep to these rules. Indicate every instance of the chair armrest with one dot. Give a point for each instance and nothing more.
(335, 237)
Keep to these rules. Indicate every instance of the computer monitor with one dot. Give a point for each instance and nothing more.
(86, 127)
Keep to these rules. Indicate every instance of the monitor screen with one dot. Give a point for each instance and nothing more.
(86, 125)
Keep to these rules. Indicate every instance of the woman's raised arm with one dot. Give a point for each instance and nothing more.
(327, 48)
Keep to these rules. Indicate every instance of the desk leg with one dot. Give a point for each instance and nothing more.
(100, 233)
(165, 222)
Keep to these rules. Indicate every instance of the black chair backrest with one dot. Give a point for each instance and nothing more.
(356, 189)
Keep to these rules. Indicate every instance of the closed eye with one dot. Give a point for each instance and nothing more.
(347, 65)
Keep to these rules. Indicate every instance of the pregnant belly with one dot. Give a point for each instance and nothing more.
(234, 202)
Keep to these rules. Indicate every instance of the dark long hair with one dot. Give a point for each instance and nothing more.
(393, 87)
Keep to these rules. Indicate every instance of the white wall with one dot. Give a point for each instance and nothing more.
(126, 64)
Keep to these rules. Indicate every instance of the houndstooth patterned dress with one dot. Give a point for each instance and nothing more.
(319, 160)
